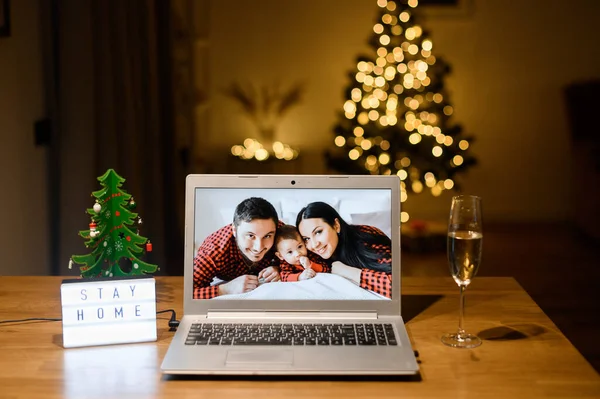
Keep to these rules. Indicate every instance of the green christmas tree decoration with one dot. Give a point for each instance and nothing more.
(110, 237)
(397, 118)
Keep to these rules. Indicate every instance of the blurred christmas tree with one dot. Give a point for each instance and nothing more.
(115, 247)
(397, 118)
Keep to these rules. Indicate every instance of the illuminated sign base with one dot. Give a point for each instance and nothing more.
(107, 311)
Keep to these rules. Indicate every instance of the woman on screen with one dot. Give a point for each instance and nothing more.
(361, 254)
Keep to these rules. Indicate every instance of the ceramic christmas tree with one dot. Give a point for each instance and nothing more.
(115, 243)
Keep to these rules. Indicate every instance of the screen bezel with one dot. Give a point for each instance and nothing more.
(203, 306)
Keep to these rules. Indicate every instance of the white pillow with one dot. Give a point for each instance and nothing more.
(348, 207)
(381, 219)
(290, 207)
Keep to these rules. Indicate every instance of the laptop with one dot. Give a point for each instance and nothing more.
(256, 314)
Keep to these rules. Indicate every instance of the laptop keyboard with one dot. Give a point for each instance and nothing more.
(291, 334)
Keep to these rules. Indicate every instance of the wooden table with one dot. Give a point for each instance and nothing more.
(523, 354)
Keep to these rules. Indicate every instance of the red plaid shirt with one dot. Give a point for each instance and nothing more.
(379, 282)
(292, 272)
(219, 256)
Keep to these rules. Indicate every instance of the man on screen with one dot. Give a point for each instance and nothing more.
(240, 253)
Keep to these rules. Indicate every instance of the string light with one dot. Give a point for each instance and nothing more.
(252, 148)
(403, 196)
(417, 186)
(363, 118)
(414, 138)
(384, 158)
(436, 191)
(350, 106)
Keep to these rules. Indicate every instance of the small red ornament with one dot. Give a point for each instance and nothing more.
(148, 246)
(94, 229)
(128, 238)
(117, 213)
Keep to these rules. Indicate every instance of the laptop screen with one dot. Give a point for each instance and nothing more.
(292, 244)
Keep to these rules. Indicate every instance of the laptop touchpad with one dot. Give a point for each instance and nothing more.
(238, 357)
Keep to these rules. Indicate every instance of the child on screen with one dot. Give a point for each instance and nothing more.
(295, 262)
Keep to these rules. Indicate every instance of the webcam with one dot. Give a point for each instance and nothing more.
(293, 182)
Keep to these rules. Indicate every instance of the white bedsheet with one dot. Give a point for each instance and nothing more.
(323, 286)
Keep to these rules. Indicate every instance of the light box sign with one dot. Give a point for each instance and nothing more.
(108, 311)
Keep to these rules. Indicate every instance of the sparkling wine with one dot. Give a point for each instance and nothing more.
(464, 255)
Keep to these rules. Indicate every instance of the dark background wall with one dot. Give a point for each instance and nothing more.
(510, 66)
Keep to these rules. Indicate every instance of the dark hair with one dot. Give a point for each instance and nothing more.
(254, 208)
(286, 232)
(354, 246)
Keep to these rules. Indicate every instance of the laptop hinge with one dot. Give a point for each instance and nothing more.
(295, 315)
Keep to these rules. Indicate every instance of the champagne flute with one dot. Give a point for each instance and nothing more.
(465, 238)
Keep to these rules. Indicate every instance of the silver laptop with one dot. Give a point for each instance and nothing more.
(253, 303)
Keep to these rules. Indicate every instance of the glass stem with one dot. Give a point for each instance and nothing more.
(461, 331)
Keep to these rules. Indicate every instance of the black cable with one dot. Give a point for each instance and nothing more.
(165, 311)
(173, 322)
(29, 319)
